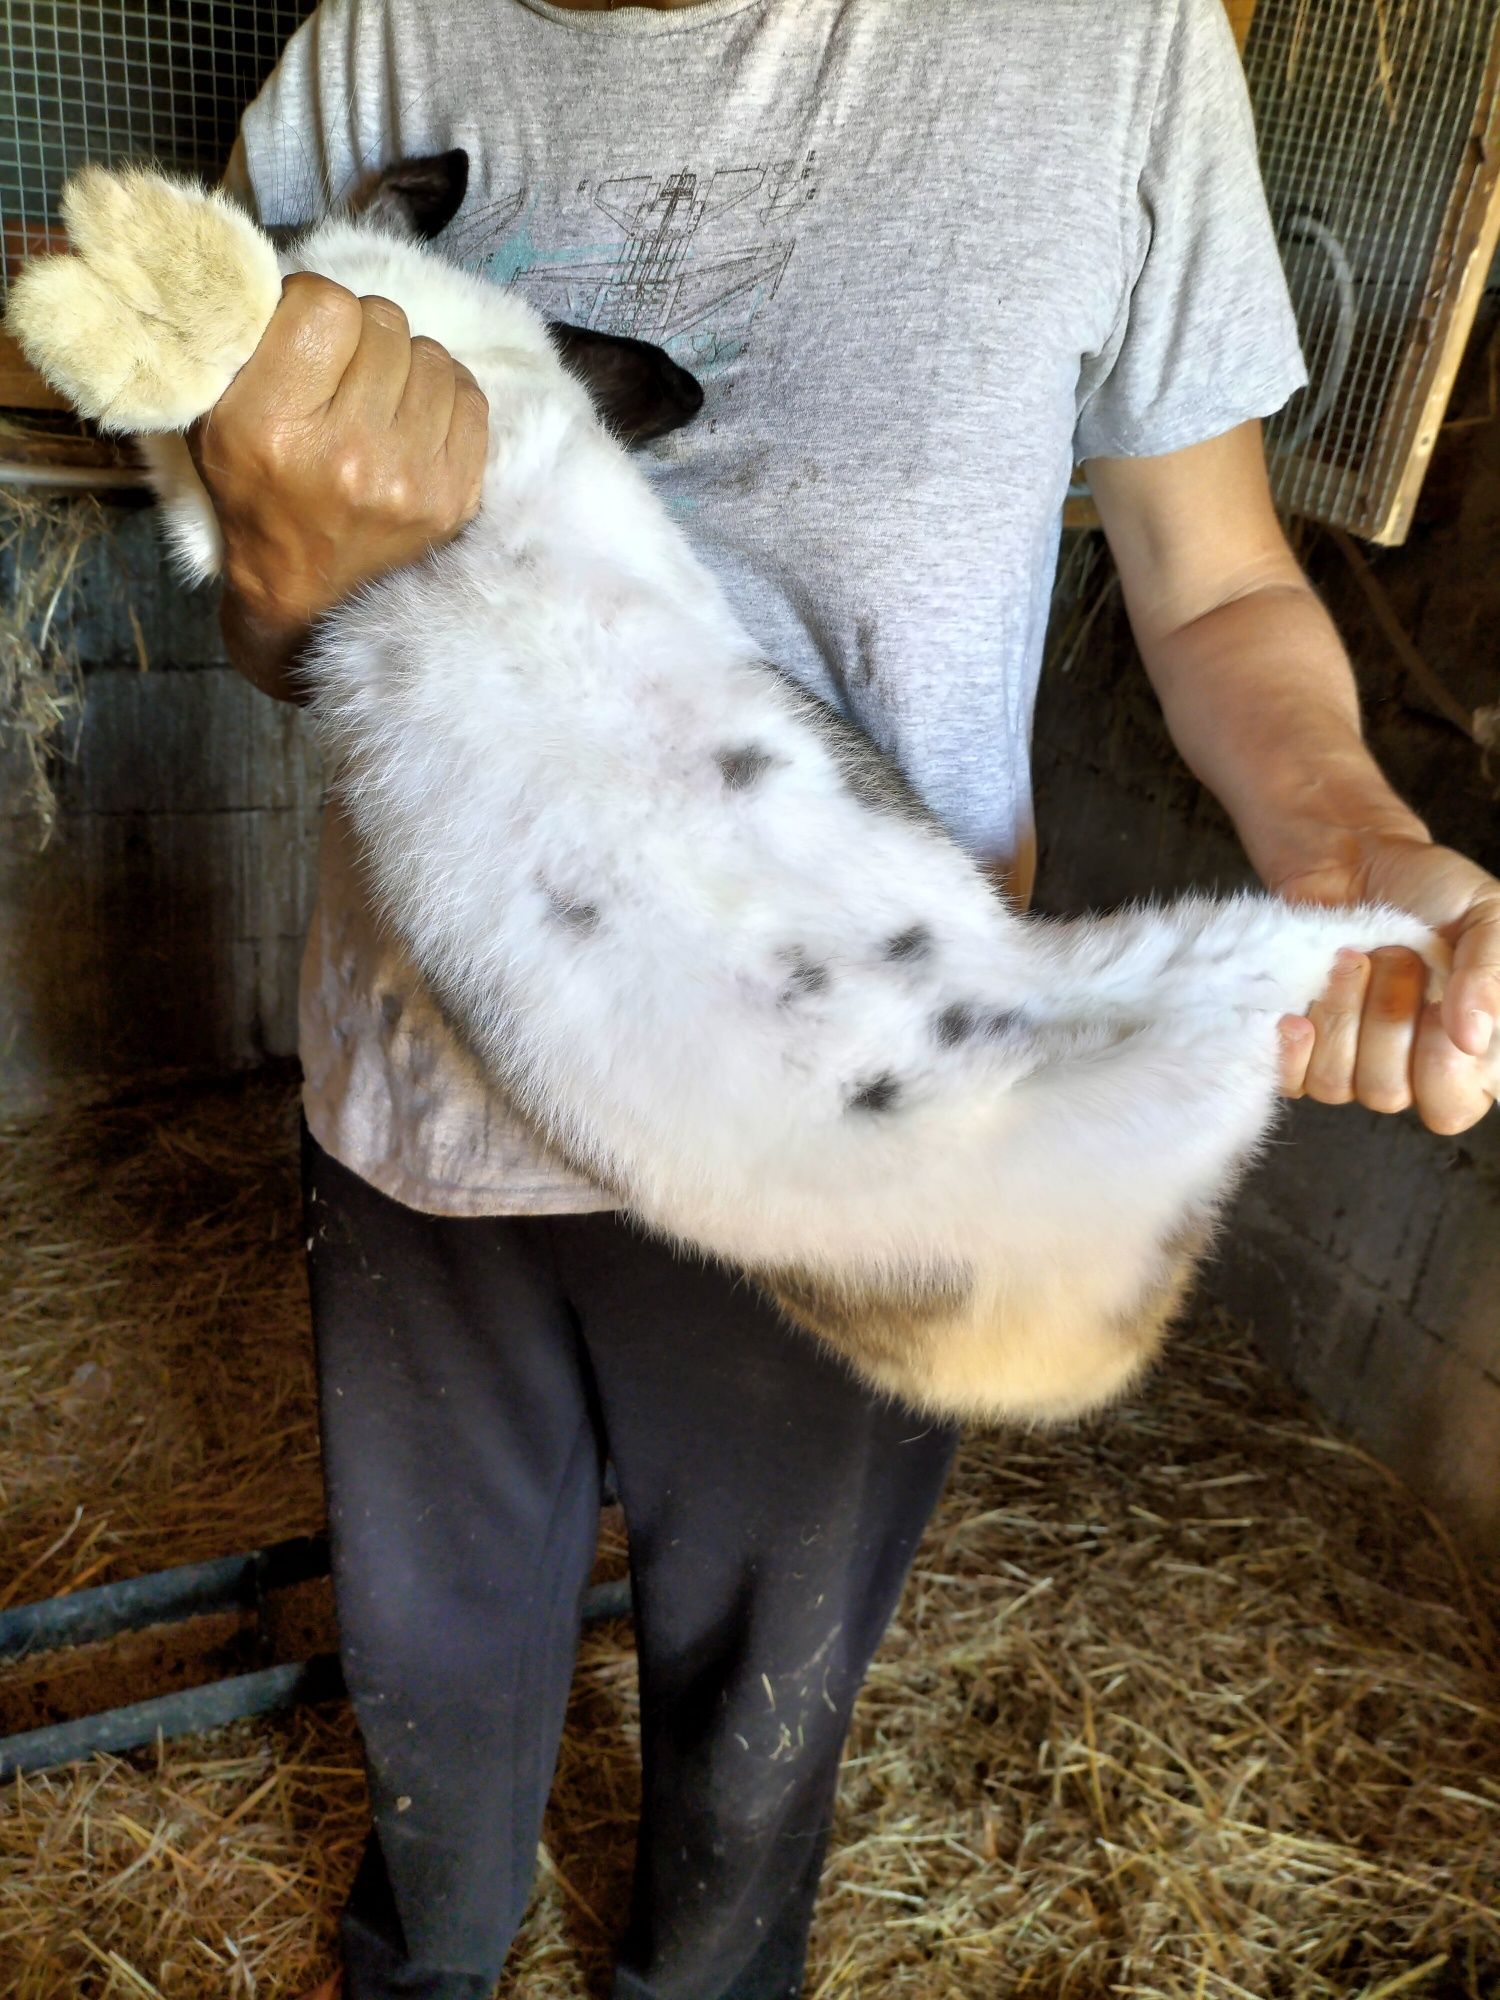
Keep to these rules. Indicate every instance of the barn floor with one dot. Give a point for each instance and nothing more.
(1191, 1702)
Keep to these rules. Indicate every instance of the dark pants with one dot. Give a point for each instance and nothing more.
(473, 1377)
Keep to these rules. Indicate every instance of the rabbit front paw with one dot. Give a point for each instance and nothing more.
(169, 291)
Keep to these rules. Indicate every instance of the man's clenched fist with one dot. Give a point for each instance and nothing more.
(343, 449)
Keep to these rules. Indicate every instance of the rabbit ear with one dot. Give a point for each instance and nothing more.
(638, 389)
(417, 197)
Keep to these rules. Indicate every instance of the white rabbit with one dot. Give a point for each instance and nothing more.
(695, 924)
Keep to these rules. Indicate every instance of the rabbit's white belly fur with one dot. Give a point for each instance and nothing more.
(734, 974)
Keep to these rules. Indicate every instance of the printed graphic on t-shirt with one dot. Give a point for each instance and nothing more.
(691, 258)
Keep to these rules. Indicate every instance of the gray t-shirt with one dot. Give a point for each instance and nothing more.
(922, 255)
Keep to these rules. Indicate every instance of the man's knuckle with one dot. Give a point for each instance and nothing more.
(429, 354)
(323, 303)
(396, 498)
(349, 468)
(258, 452)
(384, 312)
(451, 515)
(308, 289)
(1385, 1097)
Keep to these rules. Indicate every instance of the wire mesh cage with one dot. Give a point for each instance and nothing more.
(84, 80)
(159, 79)
(1379, 123)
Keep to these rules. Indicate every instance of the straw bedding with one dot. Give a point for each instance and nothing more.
(1190, 1703)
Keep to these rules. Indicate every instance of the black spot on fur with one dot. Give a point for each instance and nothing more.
(879, 1093)
(872, 778)
(954, 1025)
(571, 912)
(742, 767)
(961, 1023)
(910, 944)
(805, 975)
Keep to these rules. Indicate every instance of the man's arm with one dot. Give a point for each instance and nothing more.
(1260, 699)
(341, 450)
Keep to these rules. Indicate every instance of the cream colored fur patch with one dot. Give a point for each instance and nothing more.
(166, 298)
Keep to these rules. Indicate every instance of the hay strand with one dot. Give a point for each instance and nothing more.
(43, 537)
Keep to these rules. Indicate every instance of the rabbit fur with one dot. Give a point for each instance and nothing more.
(696, 926)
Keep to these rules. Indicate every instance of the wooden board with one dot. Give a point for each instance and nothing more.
(1451, 295)
(1241, 13)
(21, 388)
(52, 458)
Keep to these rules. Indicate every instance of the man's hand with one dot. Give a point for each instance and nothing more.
(1371, 1039)
(1261, 701)
(341, 450)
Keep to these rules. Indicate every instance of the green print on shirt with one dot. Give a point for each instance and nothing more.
(694, 263)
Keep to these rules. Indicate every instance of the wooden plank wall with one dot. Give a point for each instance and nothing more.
(163, 923)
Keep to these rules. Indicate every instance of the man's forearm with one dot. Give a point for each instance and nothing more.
(266, 650)
(1260, 700)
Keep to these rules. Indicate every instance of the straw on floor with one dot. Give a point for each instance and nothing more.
(1189, 1704)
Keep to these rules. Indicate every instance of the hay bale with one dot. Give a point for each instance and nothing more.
(1193, 1703)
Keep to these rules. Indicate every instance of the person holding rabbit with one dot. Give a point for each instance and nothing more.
(921, 258)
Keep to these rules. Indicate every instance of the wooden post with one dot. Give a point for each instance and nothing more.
(1241, 13)
(1449, 301)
